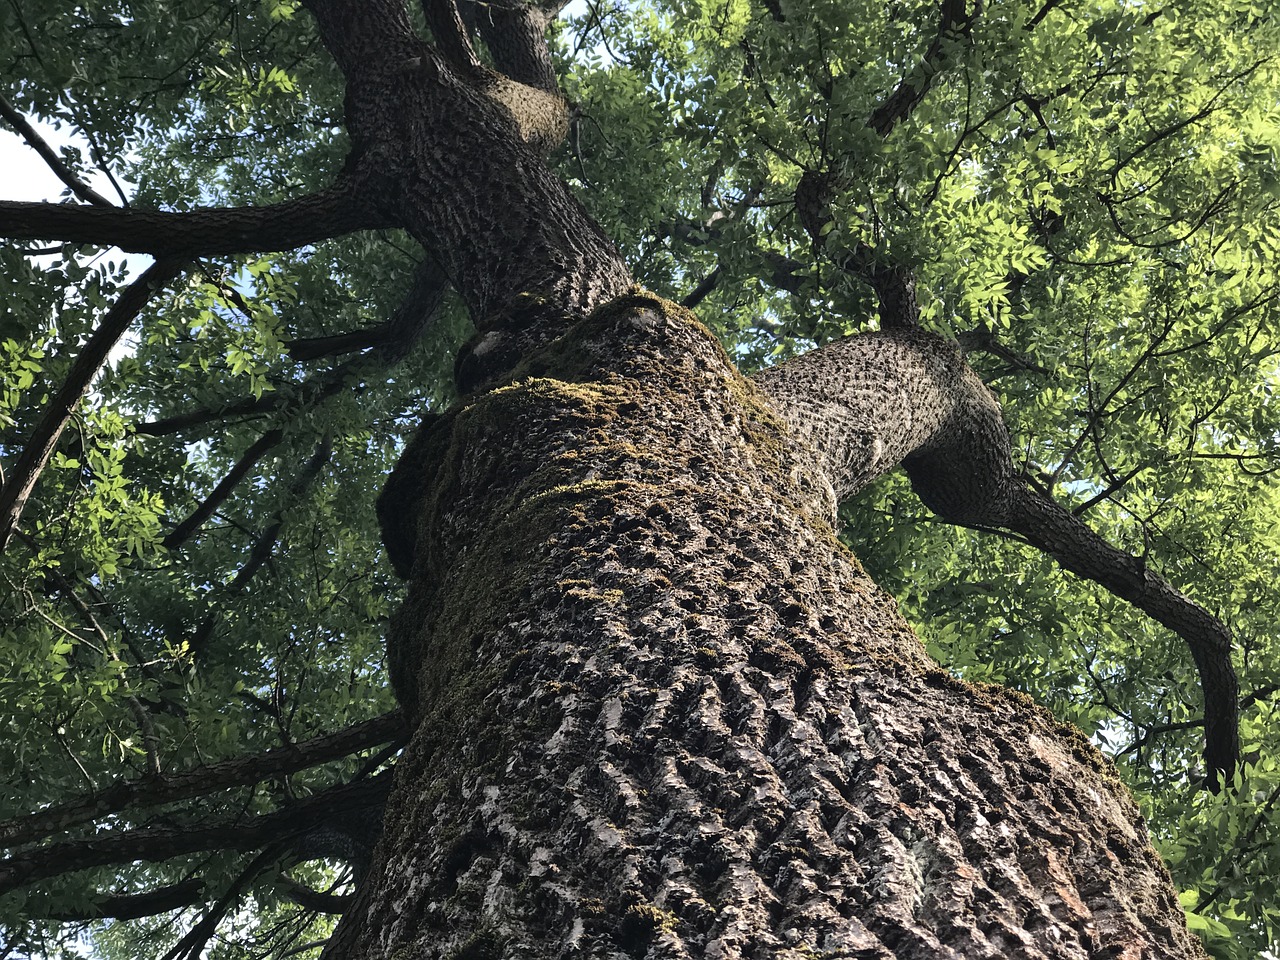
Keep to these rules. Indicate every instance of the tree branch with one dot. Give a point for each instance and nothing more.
(315, 900)
(516, 34)
(77, 186)
(260, 448)
(1052, 528)
(953, 22)
(202, 781)
(313, 348)
(982, 339)
(703, 290)
(894, 285)
(192, 944)
(393, 341)
(44, 439)
(782, 271)
(129, 906)
(205, 231)
(154, 844)
(264, 545)
(450, 33)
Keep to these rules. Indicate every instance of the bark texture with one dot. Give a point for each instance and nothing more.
(661, 712)
(868, 403)
(455, 158)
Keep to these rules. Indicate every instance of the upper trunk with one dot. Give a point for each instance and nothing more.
(454, 156)
(662, 712)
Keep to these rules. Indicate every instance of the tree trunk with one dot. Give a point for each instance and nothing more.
(662, 712)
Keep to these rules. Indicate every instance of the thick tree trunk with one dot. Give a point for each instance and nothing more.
(662, 712)
(659, 710)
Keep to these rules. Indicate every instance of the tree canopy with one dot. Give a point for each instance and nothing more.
(194, 595)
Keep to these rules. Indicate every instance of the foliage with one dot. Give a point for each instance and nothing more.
(1086, 189)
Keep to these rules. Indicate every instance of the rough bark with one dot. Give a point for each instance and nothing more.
(662, 712)
(457, 162)
(868, 403)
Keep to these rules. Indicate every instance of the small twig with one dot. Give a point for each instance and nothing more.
(226, 486)
(265, 544)
(1245, 840)
(193, 943)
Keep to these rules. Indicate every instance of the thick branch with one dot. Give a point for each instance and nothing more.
(516, 34)
(416, 313)
(520, 250)
(1052, 528)
(451, 37)
(205, 231)
(869, 403)
(865, 403)
(895, 285)
(161, 843)
(131, 906)
(202, 781)
(313, 348)
(39, 448)
(316, 900)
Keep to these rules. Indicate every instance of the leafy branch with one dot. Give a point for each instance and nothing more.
(44, 439)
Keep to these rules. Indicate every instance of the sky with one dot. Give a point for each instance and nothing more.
(23, 175)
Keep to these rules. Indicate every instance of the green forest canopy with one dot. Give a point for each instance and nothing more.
(1087, 193)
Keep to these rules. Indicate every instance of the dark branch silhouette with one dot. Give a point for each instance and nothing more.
(202, 781)
(204, 231)
(162, 843)
(218, 496)
(29, 133)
